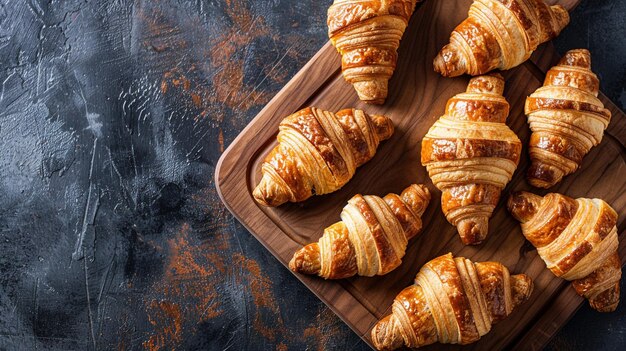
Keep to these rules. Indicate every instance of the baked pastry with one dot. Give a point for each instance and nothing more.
(367, 35)
(499, 34)
(370, 239)
(318, 152)
(471, 154)
(577, 239)
(453, 301)
(566, 118)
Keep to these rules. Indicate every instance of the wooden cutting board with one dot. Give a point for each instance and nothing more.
(417, 96)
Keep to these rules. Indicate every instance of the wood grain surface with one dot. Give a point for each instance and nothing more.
(417, 96)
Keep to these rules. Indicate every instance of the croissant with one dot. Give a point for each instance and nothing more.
(367, 35)
(318, 152)
(371, 238)
(577, 239)
(453, 301)
(499, 34)
(471, 154)
(566, 119)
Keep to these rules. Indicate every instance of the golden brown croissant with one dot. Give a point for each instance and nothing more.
(499, 34)
(471, 154)
(453, 301)
(566, 119)
(371, 238)
(367, 34)
(318, 152)
(577, 239)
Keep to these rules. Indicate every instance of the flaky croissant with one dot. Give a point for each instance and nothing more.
(577, 239)
(471, 154)
(453, 301)
(370, 239)
(367, 35)
(499, 34)
(566, 118)
(318, 152)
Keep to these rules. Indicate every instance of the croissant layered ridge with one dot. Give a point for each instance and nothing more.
(471, 154)
(318, 152)
(566, 119)
(453, 301)
(367, 34)
(499, 34)
(371, 238)
(577, 239)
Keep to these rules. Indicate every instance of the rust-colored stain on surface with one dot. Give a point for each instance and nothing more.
(176, 79)
(210, 77)
(220, 140)
(263, 297)
(166, 317)
(197, 100)
(223, 60)
(325, 329)
(228, 82)
(187, 290)
(189, 272)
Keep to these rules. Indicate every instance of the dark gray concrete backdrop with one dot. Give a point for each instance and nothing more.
(113, 115)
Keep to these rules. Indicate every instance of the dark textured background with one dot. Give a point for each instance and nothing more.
(113, 115)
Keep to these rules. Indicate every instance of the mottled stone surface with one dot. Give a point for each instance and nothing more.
(113, 115)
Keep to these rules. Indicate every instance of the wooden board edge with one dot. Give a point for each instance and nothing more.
(544, 328)
(221, 171)
(301, 278)
(540, 337)
(321, 56)
(542, 60)
(617, 126)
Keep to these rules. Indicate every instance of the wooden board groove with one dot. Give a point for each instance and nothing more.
(417, 98)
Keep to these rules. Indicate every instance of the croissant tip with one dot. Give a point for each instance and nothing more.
(543, 176)
(538, 183)
(471, 242)
(577, 57)
(521, 288)
(417, 197)
(424, 189)
(602, 287)
(420, 189)
(603, 306)
(296, 263)
(448, 63)
(473, 230)
(269, 194)
(306, 260)
(487, 83)
(266, 201)
(383, 126)
(581, 51)
(384, 337)
(259, 197)
(372, 91)
(523, 205)
(562, 16)
(293, 265)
